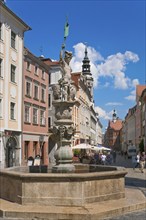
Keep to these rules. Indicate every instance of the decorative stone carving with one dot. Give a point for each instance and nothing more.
(72, 92)
(64, 95)
(56, 92)
(63, 113)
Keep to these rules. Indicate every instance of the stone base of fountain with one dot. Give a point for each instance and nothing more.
(89, 184)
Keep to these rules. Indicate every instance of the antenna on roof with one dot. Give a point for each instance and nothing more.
(41, 51)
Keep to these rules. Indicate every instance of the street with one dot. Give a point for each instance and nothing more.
(136, 179)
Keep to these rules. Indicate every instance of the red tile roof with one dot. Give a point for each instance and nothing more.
(50, 62)
(117, 125)
(139, 89)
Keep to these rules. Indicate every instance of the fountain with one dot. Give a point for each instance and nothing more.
(64, 99)
(65, 184)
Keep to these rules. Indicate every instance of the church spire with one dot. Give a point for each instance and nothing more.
(86, 73)
(86, 64)
(114, 116)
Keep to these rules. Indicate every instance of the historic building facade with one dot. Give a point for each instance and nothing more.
(143, 117)
(12, 30)
(112, 136)
(35, 108)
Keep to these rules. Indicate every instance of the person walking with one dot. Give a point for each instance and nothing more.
(134, 161)
(103, 159)
(142, 161)
(137, 160)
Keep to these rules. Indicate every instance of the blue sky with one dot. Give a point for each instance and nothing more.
(114, 32)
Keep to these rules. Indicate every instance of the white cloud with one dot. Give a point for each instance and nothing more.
(106, 84)
(102, 113)
(94, 56)
(132, 96)
(114, 104)
(113, 66)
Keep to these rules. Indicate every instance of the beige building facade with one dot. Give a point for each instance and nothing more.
(12, 30)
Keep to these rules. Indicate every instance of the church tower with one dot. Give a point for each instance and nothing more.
(114, 116)
(88, 79)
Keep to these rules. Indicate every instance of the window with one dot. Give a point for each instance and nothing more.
(28, 89)
(13, 73)
(0, 31)
(35, 115)
(13, 40)
(42, 117)
(12, 110)
(49, 122)
(27, 113)
(36, 92)
(43, 95)
(50, 101)
(36, 70)
(49, 79)
(1, 69)
(43, 74)
(28, 65)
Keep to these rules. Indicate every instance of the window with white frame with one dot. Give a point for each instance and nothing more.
(42, 117)
(49, 122)
(43, 95)
(49, 78)
(27, 113)
(28, 65)
(12, 110)
(28, 88)
(13, 73)
(35, 116)
(36, 70)
(36, 92)
(43, 74)
(50, 101)
(1, 67)
(13, 40)
(1, 108)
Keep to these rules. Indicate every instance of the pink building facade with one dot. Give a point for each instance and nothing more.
(35, 108)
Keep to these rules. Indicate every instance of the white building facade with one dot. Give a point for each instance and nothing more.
(12, 30)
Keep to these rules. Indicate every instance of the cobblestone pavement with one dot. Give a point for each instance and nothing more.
(131, 216)
(134, 178)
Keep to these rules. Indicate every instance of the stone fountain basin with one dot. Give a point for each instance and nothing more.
(88, 184)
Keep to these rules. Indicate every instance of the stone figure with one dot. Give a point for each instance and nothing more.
(65, 81)
(56, 91)
(72, 92)
(63, 112)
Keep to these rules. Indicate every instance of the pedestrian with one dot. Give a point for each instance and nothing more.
(142, 161)
(137, 160)
(109, 158)
(134, 161)
(103, 159)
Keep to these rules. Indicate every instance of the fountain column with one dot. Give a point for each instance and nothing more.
(64, 100)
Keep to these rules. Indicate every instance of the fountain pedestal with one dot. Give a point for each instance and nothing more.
(63, 130)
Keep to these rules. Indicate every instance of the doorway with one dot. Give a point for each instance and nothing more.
(11, 151)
